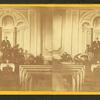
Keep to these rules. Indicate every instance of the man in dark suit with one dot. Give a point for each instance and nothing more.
(96, 49)
(5, 43)
(66, 57)
(5, 47)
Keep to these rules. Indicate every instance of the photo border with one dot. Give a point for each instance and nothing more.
(48, 92)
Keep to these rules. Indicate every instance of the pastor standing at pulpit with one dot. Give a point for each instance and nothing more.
(5, 43)
(5, 47)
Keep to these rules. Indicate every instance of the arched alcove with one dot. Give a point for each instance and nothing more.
(86, 34)
(13, 26)
(7, 21)
(96, 27)
(8, 28)
(11, 21)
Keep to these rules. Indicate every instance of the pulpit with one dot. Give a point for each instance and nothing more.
(58, 77)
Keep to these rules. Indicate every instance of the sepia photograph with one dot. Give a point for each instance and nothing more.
(50, 48)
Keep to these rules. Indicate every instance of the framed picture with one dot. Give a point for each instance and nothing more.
(49, 49)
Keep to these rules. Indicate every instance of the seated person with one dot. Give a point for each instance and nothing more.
(20, 57)
(56, 58)
(81, 58)
(15, 49)
(5, 48)
(88, 48)
(5, 43)
(39, 59)
(31, 59)
(66, 57)
(26, 57)
(1, 57)
(77, 58)
(96, 49)
(15, 54)
(89, 52)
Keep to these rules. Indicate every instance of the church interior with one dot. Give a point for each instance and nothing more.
(49, 48)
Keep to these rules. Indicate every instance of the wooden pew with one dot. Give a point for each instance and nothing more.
(76, 71)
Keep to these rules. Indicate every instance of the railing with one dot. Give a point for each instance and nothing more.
(52, 77)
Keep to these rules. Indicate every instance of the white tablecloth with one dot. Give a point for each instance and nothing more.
(5, 65)
(93, 66)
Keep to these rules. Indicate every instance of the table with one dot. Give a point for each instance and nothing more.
(7, 64)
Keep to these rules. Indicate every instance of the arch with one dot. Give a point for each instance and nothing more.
(20, 24)
(85, 24)
(15, 14)
(89, 17)
(11, 21)
(7, 21)
(11, 16)
(96, 22)
(89, 34)
(84, 21)
(22, 17)
(86, 34)
(96, 26)
(85, 15)
(94, 18)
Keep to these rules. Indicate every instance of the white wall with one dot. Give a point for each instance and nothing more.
(57, 31)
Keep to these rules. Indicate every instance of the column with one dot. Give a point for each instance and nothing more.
(73, 83)
(0, 35)
(91, 36)
(15, 36)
